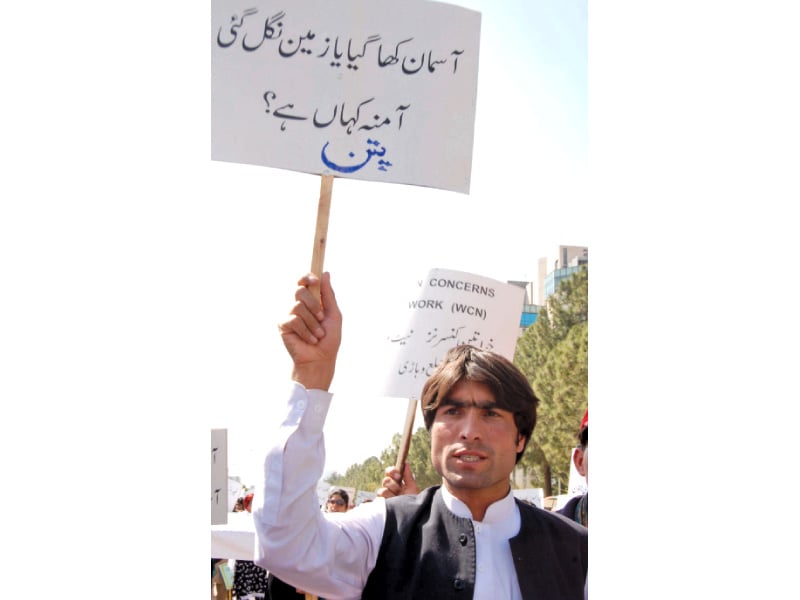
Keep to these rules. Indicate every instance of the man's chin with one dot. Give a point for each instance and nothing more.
(464, 480)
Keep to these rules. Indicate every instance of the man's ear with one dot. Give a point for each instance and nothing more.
(521, 439)
(577, 459)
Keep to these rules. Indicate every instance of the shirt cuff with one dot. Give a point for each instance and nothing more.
(308, 408)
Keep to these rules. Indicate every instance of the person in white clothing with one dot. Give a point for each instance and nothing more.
(468, 538)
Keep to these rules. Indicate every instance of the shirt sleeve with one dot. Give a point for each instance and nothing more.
(326, 554)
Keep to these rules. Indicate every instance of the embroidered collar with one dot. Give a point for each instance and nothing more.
(498, 512)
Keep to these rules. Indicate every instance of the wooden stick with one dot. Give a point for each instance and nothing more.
(321, 234)
(320, 239)
(405, 443)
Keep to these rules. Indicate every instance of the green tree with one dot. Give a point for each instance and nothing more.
(419, 457)
(365, 476)
(368, 475)
(553, 355)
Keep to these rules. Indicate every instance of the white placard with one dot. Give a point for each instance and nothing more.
(450, 308)
(377, 90)
(219, 476)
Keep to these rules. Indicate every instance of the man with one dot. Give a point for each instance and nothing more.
(577, 508)
(468, 538)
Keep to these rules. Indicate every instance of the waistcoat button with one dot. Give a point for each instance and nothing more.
(463, 539)
(459, 584)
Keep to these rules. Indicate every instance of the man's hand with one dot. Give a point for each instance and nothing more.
(397, 484)
(313, 332)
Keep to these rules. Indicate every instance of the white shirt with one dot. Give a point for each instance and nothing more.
(332, 554)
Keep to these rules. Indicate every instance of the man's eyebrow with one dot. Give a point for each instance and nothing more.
(462, 403)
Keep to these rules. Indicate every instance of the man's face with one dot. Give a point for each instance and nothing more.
(474, 445)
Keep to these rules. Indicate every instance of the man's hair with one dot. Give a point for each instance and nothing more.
(511, 390)
(583, 437)
(344, 495)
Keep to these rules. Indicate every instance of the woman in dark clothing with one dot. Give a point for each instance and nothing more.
(248, 577)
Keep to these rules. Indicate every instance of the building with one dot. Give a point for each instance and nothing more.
(529, 309)
(570, 259)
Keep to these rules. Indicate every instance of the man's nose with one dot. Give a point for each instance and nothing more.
(471, 425)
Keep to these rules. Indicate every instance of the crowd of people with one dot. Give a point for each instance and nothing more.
(469, 536)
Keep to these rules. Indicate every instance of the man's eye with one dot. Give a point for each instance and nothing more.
(452, 410)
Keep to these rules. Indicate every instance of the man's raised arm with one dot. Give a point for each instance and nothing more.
(296, 541)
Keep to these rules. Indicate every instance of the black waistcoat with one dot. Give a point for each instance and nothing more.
(428, 552)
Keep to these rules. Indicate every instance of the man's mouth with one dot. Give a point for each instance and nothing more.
(469, 456)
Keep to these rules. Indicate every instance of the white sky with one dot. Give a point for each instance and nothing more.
(141, 283)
